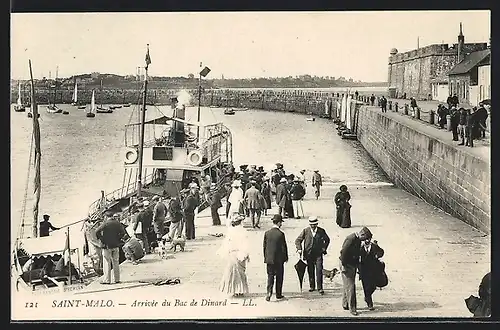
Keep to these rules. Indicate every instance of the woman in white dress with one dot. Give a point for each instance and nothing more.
(235, 199)
(235, 250)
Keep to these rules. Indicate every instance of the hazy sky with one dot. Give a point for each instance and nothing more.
(243, 44)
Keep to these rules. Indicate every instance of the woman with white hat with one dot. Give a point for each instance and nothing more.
(236, 199)
(235, 250)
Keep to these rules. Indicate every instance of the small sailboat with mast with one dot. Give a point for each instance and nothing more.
(46, 263)
(91, 111)
(53, 108)
(100, 108)
(75, 98)
(19, 106)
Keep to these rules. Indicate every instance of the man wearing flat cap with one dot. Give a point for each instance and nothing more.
(275, 256)
(349, 261)
(316, 243)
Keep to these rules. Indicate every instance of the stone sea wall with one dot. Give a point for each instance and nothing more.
(307, 102)
(441, 174)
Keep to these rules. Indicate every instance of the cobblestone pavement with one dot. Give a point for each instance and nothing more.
(433, 262)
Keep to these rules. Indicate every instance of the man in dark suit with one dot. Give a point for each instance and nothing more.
(316, 242)
(275, 255)
(349, 260)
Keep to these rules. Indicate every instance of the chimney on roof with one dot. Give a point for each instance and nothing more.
(461, 42)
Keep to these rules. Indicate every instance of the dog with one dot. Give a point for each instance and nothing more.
(161, 250)
(177, 242)
(330, 273)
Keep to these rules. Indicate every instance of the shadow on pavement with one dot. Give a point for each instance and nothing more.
(404, 306)
(368, 226)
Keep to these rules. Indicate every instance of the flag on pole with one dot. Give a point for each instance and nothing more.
(148, 58)
(66, 251)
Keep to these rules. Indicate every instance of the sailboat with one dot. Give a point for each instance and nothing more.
(19, 107)
(176, 156)
(91, 112)
(74, 99)
(43, 263)
(53, 108)
(100, 108)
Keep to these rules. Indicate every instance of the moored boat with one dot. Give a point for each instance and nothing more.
(167, 162)
(19, 106)
(52, 108)
(103, 110)
(229, 112)
(91, 112)
(74, 98)
(43, 264)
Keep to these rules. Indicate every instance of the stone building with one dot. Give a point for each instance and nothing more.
(464, 78)
(422, 72)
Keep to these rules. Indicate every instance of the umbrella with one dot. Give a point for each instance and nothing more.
(300, 267)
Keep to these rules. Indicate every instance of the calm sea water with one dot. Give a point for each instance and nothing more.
(82, 156)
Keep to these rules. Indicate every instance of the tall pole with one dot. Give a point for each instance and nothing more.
(36, 137)
(199, 103)
(69, 257)
(143, 119)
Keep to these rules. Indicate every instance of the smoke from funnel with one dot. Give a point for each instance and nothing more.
(183, 99)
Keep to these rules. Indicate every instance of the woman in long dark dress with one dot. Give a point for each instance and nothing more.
(342, 199)
(266, 192)
(288, 204)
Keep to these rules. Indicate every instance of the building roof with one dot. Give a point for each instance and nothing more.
(470, 61)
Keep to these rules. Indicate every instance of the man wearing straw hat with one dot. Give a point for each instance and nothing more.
(316, 243)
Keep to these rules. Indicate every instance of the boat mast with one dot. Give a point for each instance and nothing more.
(143, 119)
(101, 95)
(36, 135)
(199, 103)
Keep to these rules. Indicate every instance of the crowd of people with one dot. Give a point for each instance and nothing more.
(249, 193)
(467, 125)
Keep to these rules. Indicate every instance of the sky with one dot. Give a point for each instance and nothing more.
(233, 44)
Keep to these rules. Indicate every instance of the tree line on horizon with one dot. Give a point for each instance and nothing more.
(111, 81)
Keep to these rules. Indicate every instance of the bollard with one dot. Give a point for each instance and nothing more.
(417, 112)
(448, 122)
(431, 117)
(406, 109)
(390, 105)
(396, 106)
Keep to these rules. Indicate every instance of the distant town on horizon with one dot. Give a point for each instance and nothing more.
(109, 81)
